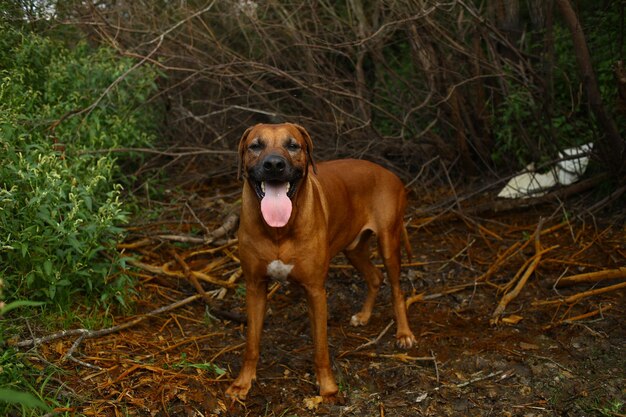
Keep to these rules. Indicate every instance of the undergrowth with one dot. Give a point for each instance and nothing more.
(60, 204)
(61, 201)
(525, 131)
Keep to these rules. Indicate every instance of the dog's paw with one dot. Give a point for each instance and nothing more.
(335, 399)
(359, 319)
(238, 391)
(328, 389)
(405, 341)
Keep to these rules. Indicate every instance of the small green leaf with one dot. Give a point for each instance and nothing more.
(208, 367)
(20, 303)
(52, 291)
(88, 202)
(47, 267)
(24, 398)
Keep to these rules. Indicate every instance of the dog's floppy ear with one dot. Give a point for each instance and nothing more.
(241, 151)
(309, 146)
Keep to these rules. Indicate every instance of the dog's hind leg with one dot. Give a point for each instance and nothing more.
(359, 257)
(389, 248)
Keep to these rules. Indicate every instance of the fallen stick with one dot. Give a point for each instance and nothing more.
(413, 299)
(181, 238)
(273, 289)
(502, 374)
(593, 313)
(229, 224)
(380, 266)
(577, 297)
(500, 205)
(164, 270)
(423, 297)
(502, 258)
(619, 273)
(569, 262)
(225, 350)
(90, 334)
(210, 251)
(513, 250)
(402, 357)
(505, 288)
(371, 342)
(511, 295)
(191, 277)
(478, 379)
(136, 244)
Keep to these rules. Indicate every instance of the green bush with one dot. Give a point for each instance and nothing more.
(60, 205)
(521, 119)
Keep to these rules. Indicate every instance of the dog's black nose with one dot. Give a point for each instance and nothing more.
(274, 164)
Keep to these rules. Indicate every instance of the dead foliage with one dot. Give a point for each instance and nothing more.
(399, 82)
(497, 285)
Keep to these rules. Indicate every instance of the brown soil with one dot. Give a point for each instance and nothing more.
(532, 362)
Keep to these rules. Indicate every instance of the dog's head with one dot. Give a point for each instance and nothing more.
(274, 158)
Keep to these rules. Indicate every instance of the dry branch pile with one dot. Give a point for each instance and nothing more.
(174, 355)
(553, 256)
(399, 82)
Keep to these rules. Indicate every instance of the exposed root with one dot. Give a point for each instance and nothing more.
(608, 274)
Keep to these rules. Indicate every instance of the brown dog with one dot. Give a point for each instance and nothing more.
(295, 216)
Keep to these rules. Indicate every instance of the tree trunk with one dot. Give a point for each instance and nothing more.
(483, 138)
(611, 146)
(506, 15)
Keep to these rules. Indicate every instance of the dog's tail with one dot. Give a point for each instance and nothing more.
(407, 243)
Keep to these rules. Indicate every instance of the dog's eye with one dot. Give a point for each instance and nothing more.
(293, 146)
(255, 146)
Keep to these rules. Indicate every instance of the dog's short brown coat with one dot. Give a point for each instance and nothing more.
(337, 206)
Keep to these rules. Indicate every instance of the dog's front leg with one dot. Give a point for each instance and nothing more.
(256, 297)
(318, 314)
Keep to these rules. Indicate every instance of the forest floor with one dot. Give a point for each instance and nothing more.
(544, 355)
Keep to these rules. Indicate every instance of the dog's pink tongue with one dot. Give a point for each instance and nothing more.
(276, 206)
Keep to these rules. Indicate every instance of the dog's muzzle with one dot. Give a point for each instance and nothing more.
(274, 171)
(275, 182)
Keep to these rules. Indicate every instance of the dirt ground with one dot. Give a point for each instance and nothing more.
(544, 356)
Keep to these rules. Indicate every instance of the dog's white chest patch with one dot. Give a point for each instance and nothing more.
(279, 270)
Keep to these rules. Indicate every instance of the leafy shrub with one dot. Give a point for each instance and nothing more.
(514, 112)
(16, 393)
(60, 206)
(521, 122)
